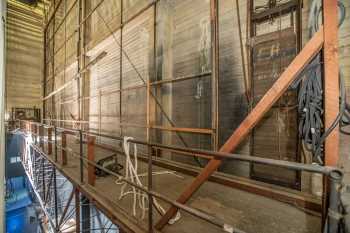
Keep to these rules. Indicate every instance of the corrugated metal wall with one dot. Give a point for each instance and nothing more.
(24, 62)
(115, 94)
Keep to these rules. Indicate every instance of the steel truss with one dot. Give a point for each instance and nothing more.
(65, 207)
(39, 166)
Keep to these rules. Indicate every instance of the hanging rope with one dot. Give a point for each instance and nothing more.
(131, 173)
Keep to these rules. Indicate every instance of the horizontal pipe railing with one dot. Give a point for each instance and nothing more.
(326, 170)
(197, 213)
(334, 174)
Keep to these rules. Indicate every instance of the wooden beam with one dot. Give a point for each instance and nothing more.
(270, 98)
(178, 129)
(331, 79)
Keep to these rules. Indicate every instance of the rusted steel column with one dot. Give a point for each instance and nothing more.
(31, 128)
(23, 149)
(77, 210)
(63, 150)
(49, 141)
(331, 79)
(41, 136)
(85, 214)
(27, 128)
(35, 132)
(334, 214)
(55, 197)
(91, 157)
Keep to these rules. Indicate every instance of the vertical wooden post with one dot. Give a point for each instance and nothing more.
(63, 150)
(331, 79)
(331, 91)
(49, 141)
(91, 158)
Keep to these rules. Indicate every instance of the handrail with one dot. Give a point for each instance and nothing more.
(326, 170)
(334, 175)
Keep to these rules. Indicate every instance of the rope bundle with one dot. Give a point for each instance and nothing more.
(131, 173)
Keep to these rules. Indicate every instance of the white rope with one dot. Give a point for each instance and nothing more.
(139, 198)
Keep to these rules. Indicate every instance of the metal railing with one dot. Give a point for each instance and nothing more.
(333, 175)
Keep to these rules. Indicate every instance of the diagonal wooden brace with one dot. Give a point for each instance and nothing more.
(270, 98)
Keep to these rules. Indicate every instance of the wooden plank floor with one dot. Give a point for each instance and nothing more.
(246, 211)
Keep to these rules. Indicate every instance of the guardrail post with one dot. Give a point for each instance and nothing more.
(55, 196)
(334, 216)
(35, 132)
(77, 210)
(27, 127)
(55, 138)
(49, 141)
(64, 147)
(149, 188)
(23, 149)
(41, 136)
(81, 154)
(91, 158)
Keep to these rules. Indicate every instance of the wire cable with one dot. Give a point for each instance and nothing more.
(310, 96)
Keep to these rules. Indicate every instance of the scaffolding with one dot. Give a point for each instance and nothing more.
(146, 84)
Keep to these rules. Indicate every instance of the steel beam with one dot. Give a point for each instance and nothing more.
(65, 209)
(77, 211)
(55, 198)
(85, 214)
